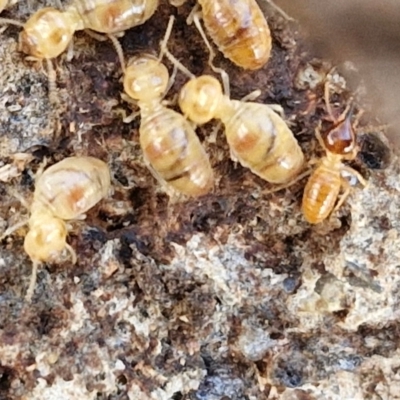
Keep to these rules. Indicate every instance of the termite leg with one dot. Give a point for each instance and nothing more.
(32, 282)
(220, 71)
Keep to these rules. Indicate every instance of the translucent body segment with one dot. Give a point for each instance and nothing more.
(261, 141)
(111, 16)
(169, 144)
(72, 186)
(321, 192)
(258, 137)
(240, 31)
(174, 151)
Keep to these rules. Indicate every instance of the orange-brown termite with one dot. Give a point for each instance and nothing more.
(48, 32)
(322, 190)
(239, 29)
(257, 136)
(63, 192)
(170, 146)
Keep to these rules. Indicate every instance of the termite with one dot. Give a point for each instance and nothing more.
(258, 138)
(48, 32)
(324, 185)
(238, 28)
(170, 146)
(63, 192)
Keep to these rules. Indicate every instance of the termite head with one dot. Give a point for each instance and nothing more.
(47, 33)
(46, 238)
(145, 78)
(341, 139)
(200, 98)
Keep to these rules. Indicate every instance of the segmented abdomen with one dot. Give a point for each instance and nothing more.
(260, 140)
(72, 186)
(174, 152)
(111, 16)
(239, 29)
(321, 193)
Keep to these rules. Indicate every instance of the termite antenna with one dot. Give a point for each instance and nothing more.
(118, 49)
(279, 10)
(13, 228)
(116, 44)
(165, 52)
(348, 112)
(32, 282)
(298, 178)
(167, 35)
(71, 252)
(171, 81)
(52, 77)
(8, 21)
(327, 96)
(252, 96)
(195, 17)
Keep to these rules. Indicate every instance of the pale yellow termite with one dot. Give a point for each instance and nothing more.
(48, 32)
(170, 146)
(63, 192)
(258, 137)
